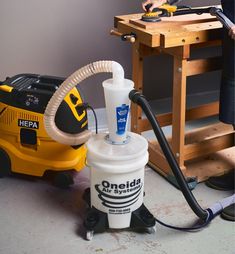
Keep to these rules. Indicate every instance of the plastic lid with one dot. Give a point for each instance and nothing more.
(99, 147)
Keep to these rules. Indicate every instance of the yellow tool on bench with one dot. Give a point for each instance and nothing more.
(167, 10)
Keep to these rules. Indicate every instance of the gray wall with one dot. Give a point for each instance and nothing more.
(56, 37)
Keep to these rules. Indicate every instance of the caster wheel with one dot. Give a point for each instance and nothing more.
(89, 235)
(5, 164)
(151, 230)
(63, 179)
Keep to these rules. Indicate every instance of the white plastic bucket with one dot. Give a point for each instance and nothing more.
(117, 177)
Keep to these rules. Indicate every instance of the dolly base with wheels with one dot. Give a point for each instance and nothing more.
(97, 221)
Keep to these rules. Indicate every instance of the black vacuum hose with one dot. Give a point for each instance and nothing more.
(139, 99)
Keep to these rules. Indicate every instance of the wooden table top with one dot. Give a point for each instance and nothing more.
(170, 31)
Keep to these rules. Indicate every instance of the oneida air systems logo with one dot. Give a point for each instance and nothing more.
(119, 197)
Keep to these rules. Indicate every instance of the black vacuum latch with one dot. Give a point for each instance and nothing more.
(28, 136)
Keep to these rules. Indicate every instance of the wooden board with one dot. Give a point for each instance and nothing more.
(171, 22)
(210, 163)
(216, 164)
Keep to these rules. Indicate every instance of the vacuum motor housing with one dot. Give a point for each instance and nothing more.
(24, 143)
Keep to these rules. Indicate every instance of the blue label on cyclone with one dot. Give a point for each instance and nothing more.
(122, 113)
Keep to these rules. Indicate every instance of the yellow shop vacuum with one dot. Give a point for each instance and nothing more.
(25, 146)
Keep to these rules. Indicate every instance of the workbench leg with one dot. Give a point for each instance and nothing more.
(137, 77)
(179, 108)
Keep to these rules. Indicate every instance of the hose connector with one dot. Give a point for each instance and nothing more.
(220, 205)
(135, 95)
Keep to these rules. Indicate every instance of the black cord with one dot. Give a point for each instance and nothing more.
(95, 116)
(188, 229)
(86, 105)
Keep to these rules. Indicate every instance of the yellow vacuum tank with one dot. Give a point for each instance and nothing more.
(25, 146)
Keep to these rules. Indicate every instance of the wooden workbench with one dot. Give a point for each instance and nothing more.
(203, 152)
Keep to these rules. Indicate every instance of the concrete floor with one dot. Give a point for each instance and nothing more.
(37, 218)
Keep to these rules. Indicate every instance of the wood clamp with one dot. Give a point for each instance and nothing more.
(124, 37)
